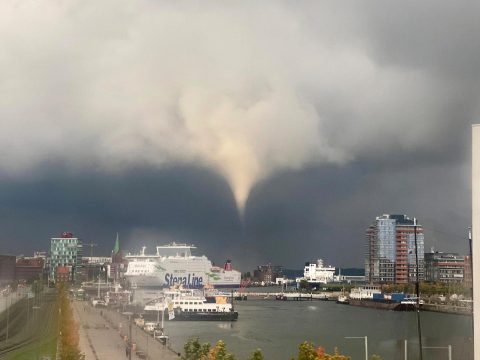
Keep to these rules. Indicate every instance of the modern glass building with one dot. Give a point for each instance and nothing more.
(65, 251)
(390, 250)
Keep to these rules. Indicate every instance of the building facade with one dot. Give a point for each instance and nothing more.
(444, 267)
(63, 275)
(318, 273)
(467, 272)
(96, 266)
(267, 273)
(390, 256)
(28, 269)
(65, 251)
(7, 269)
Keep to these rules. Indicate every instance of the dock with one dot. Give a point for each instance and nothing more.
(290, 296)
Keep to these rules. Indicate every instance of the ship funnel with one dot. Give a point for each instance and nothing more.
(228, 265)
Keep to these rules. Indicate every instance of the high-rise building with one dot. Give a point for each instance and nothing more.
(65, 251)
(444, 267)
(390, 250)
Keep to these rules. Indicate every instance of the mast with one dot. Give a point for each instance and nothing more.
(163, 313)
(417, 290)
(471, 271)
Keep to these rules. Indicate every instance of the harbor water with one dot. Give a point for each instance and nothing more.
(278, 327)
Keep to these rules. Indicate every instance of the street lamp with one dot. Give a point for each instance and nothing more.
(129, 344)
(35, 319)
(366, 343)
(8, 313)
(35, 313)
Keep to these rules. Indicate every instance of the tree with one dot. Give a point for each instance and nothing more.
(195, 351)
(304, 285)
(257, 355)
(307, 351)
(68, 331)
(219, 352)
(247, 275)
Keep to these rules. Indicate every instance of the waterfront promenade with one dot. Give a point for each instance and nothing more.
(102, 332)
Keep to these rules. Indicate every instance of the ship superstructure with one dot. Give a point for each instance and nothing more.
(174, 264)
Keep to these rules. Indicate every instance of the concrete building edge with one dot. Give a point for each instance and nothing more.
(476, 237)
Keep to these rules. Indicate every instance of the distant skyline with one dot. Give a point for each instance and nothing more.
(261, 132)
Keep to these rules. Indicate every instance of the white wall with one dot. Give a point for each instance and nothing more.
(476, 236)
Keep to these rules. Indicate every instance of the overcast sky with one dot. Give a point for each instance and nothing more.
(270, 131)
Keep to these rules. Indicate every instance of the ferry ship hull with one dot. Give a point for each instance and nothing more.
(205, 316)
(173, 265)
(158, 282)
(193, 316)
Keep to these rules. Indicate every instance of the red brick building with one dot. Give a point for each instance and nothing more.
(29, 269)
(62, 275)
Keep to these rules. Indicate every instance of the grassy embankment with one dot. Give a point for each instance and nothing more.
(32, 328)
(35, 326)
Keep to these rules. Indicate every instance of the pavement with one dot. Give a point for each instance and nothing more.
(102, 334)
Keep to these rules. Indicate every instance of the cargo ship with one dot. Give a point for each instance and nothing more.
(174, 264)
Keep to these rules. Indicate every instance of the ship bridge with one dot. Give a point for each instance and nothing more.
(175, 250)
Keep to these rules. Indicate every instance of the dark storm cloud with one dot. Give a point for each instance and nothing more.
(333, 113)
(323, 212)
(145, 206)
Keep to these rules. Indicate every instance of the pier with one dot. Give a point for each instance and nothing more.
(292, 296)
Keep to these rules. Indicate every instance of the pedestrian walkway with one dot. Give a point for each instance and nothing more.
(102, 336)
(84, 340)
(142, 339)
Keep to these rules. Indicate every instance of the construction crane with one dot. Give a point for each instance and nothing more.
(91, 245)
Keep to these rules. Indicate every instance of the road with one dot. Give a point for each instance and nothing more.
(101, 336)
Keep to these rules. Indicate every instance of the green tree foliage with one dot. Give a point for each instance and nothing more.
(307, 351)
(304, 285)
(376, 357)
(428, 289)
(68, 332)
(247, 275)
(219, 352)
(257, 355)
(195, 351)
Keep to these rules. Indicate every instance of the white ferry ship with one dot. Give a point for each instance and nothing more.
(174, 264)
(190, 305)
